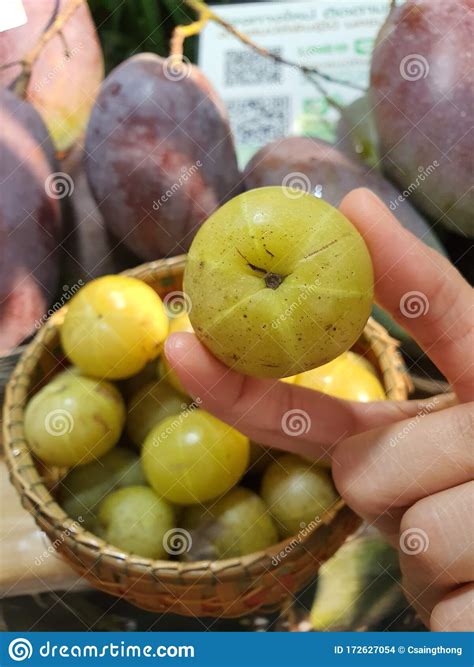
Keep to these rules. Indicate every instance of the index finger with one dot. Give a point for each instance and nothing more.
(421, 289)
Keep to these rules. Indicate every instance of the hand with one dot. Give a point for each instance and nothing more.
(406, 467)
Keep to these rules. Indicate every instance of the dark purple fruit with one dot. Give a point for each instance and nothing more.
(30, 228)
(318, 167)
(159, 154)
(422, 83)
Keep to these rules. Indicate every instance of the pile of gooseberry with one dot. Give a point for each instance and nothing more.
(144, 461)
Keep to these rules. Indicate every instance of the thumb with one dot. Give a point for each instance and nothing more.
(276, 413)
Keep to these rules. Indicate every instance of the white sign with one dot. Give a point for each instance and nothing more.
(267, 100)
(12, 14)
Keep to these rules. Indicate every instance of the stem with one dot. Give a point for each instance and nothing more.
(202, 10)
(181, 32)
(21, 83)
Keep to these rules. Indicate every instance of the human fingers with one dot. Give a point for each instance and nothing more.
(382, 472)
(421, 289)
(436, 547)
(276, 413)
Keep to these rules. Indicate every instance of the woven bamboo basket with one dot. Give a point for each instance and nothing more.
(226, 588)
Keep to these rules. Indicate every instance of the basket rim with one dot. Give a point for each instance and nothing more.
(46, 509)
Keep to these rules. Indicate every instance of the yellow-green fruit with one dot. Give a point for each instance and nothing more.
(235, 525)
(86, 486)
(136, 520)
(178, 323)
(280, 282)
(74, 420)
(297, 493)
(361, 361)
(149, 406)
(194, 457)
(349, 376)
(114, 326)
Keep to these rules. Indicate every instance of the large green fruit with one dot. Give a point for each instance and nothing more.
(136, 520)
(237, 524)
(319, 167)
(74, 420)
(279, 281)
(194, 457)
(113, 326)
(298, 493)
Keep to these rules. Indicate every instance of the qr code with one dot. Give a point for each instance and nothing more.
(259, 120)
(247, 68)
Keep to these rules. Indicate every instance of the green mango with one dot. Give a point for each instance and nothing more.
(358, 585)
